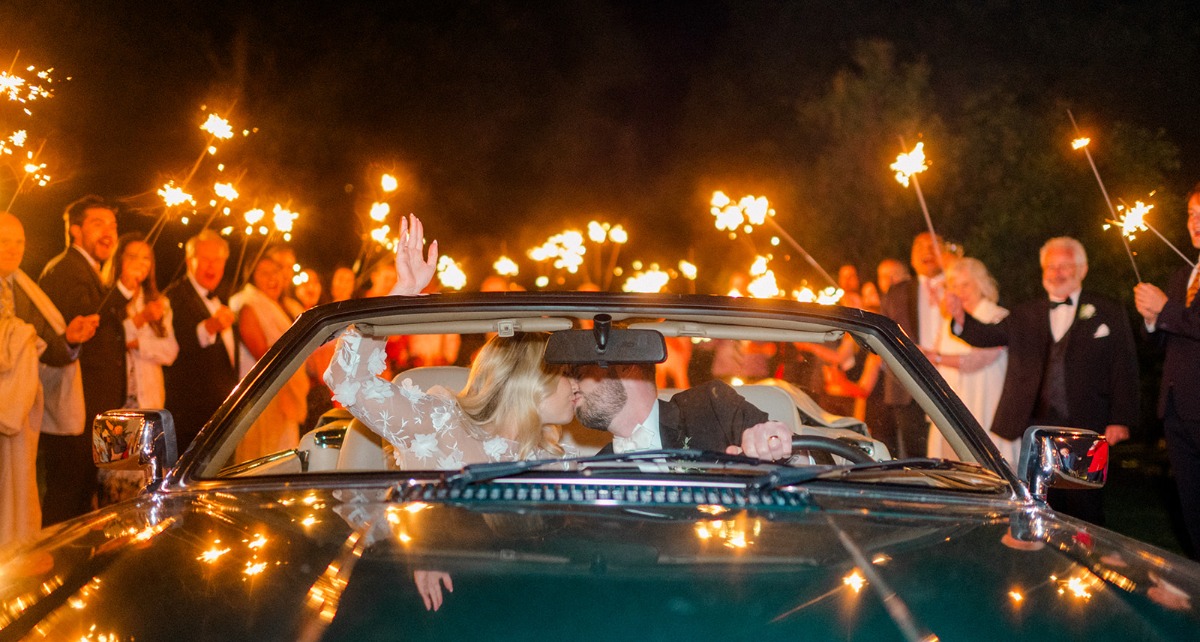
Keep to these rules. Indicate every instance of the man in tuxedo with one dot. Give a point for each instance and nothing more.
(1173, 318)
(1071, 362)
(623, 399)
(23, 304)
(205, 371)
(73, 282)
(914, 304)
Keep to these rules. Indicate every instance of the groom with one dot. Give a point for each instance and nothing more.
(623, 399)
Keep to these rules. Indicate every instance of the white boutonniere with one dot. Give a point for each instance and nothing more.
(1101, 331)
(1087, 311)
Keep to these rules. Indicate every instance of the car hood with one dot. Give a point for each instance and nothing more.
(339, 564)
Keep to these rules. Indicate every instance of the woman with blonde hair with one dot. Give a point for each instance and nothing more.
(511, 408)
(976, 374)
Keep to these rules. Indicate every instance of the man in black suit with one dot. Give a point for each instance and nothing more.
(204, 373)
(72, 281)
(623, 399)
(1071, 362)
(914, 305)
(1173, 317)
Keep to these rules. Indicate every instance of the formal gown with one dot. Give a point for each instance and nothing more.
(979, 390)
(422, 430)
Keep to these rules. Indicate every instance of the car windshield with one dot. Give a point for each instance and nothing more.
(398, 397)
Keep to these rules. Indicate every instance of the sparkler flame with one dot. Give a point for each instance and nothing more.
(225, 191)
(1080, 143)
(505, 266)
(1134, 219)
(379, 211)
(284, 219)
(688, 270)
(17, 89)
(907, 165)
(450, 273)
(388, 183)
(650, 281)
(596, 232)
(566, 249)
(748, 211)
(173, 195)
(218, 127)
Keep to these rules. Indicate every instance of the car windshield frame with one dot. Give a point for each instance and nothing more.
(762, 318)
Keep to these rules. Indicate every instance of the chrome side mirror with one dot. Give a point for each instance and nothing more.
(1054, 457)
(133, 440)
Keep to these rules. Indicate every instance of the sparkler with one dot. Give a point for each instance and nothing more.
(651, 281)
(16, 89)
(505, 266)
(450, 273)
(1081, 142)
(1134, 220)
(907, 166)
(751, 211)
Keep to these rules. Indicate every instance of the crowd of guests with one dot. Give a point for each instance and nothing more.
(94, 333)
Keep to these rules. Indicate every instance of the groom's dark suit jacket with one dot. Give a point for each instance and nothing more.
(712, 417)
(1100, 362)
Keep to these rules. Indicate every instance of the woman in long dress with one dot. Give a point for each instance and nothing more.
(512, 407)
(976, 374)
(262, 319)
(149, 345)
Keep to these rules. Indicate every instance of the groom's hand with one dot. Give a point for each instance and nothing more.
(769, 440)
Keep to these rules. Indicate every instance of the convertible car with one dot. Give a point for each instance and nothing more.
(844, 540)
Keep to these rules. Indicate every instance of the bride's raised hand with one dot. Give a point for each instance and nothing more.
(413, 271)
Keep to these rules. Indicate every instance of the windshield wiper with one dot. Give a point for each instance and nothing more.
(479, 473)
(795, 476)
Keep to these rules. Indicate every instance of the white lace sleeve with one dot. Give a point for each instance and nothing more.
(426, 430)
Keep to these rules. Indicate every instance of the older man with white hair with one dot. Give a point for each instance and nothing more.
(1071, 362)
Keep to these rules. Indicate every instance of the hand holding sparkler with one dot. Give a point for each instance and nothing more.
(413, 271)
(1149, 301)
(81, 329)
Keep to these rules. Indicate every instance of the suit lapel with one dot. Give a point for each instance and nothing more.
(914, 309)
(670, 425)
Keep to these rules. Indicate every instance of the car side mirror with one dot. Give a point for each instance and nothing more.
(1054, 457)
(133, 440)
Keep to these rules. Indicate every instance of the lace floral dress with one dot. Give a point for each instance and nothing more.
(423, 430)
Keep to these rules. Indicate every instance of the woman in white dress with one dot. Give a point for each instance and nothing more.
(512, 407)
(261, 321)
(976, 374)
(149, 345)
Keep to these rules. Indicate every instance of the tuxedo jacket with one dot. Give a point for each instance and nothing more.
(75, 288)
(1100, 364)
(711, 416)
(900, 305)
(1178, 329)
(201, 378)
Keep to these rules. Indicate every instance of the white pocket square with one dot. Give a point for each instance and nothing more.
(1101, 331)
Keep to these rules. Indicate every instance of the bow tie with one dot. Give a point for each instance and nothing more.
(1055, 304)
(212, 296)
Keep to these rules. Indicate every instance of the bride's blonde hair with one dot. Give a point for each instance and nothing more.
(507, 382)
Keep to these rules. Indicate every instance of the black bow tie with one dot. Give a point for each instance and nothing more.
(1055, 304)
(212, 296)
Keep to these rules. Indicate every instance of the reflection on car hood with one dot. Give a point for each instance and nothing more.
(338, 564)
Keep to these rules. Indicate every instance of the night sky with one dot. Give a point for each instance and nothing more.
(509, 121)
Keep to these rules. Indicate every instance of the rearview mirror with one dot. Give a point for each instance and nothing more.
(604, 345)
(133, 440)
(1054, 457)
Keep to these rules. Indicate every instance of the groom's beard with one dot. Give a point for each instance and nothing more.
(597, 408)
